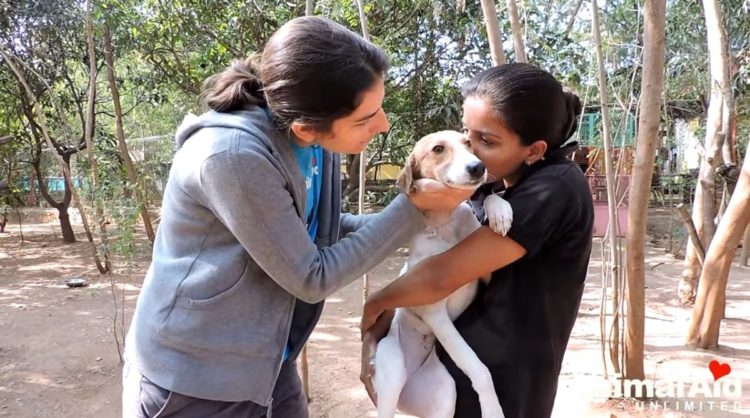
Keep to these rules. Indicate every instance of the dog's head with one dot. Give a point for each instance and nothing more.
(445, 157)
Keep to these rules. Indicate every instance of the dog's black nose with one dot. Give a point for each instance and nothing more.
(475, 169)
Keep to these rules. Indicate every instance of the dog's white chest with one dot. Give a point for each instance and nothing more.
(438, 239)
(424, 245)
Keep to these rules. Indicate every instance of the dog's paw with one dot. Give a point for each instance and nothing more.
(499, 213)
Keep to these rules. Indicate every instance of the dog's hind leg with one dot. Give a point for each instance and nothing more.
(390, 374)
(430, 391)
(467, 360)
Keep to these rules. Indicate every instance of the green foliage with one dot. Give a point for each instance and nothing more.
(165, 50)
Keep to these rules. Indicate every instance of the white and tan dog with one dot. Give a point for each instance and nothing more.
(408, 374)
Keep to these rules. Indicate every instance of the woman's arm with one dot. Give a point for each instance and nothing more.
(437, 277)
(248, 194)
(350, 222)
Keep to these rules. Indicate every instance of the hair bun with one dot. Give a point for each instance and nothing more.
(574, 108)
(236, 87)
(250, 70)
(573, 102)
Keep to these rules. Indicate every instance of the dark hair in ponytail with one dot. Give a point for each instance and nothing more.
(312, 71)
(236, 87)
(530, 101)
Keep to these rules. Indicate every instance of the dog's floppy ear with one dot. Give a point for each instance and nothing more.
(408, 175)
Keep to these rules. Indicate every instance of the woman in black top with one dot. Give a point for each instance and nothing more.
(518, 117)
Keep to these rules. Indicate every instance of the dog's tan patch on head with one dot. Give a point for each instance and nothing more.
(436, 150)
(430, 155)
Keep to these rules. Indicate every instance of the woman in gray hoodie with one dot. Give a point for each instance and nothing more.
(251, 238)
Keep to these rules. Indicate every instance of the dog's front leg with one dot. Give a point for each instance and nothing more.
(499, 214)
(467, 360)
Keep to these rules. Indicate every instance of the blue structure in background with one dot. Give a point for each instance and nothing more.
(54, 184)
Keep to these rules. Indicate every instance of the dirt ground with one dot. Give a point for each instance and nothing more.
(58, 357)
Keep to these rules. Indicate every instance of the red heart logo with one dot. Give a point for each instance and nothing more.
(719, 370)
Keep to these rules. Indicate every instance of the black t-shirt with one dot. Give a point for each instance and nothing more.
(520, 322)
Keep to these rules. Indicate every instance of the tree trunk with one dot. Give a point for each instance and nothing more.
(122, 146)
(692, 269)
(649, 117)
(692, 232)
(727, 105)
(32, 198)
(63, 164)
(88, 135)
(61, 206)
(572, 20)
(703, 331)
(65, 226)
(309, 7)
(515, 27)
(493, 32)
(613, 229)
(704, 206)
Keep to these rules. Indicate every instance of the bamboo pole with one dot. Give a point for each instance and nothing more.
(613, 228)
(493, 31)
(122, 145)
(89, 134)
(515, 26)
(304, 362)
(363, 155)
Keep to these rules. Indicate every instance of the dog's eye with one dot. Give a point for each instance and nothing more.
(437, 149)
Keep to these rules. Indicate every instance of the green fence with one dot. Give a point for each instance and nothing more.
(623, 129)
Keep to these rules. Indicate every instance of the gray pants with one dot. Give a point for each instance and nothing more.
(142, 398)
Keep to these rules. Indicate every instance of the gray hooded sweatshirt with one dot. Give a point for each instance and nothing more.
(234, 274)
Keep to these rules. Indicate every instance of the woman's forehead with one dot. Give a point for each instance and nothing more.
(480, 116)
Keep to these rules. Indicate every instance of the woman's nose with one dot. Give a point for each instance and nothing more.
(382, 125)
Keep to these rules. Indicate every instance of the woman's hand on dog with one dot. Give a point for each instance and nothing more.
(433, 196)
(370, 315)
(370, 339)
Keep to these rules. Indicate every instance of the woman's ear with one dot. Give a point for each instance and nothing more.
(304, 132)
(536, 151)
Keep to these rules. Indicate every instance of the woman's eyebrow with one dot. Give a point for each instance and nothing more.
(489, 133)
(369, 116)
(483, 133)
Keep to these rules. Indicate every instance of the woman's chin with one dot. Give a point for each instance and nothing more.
(356, 150)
